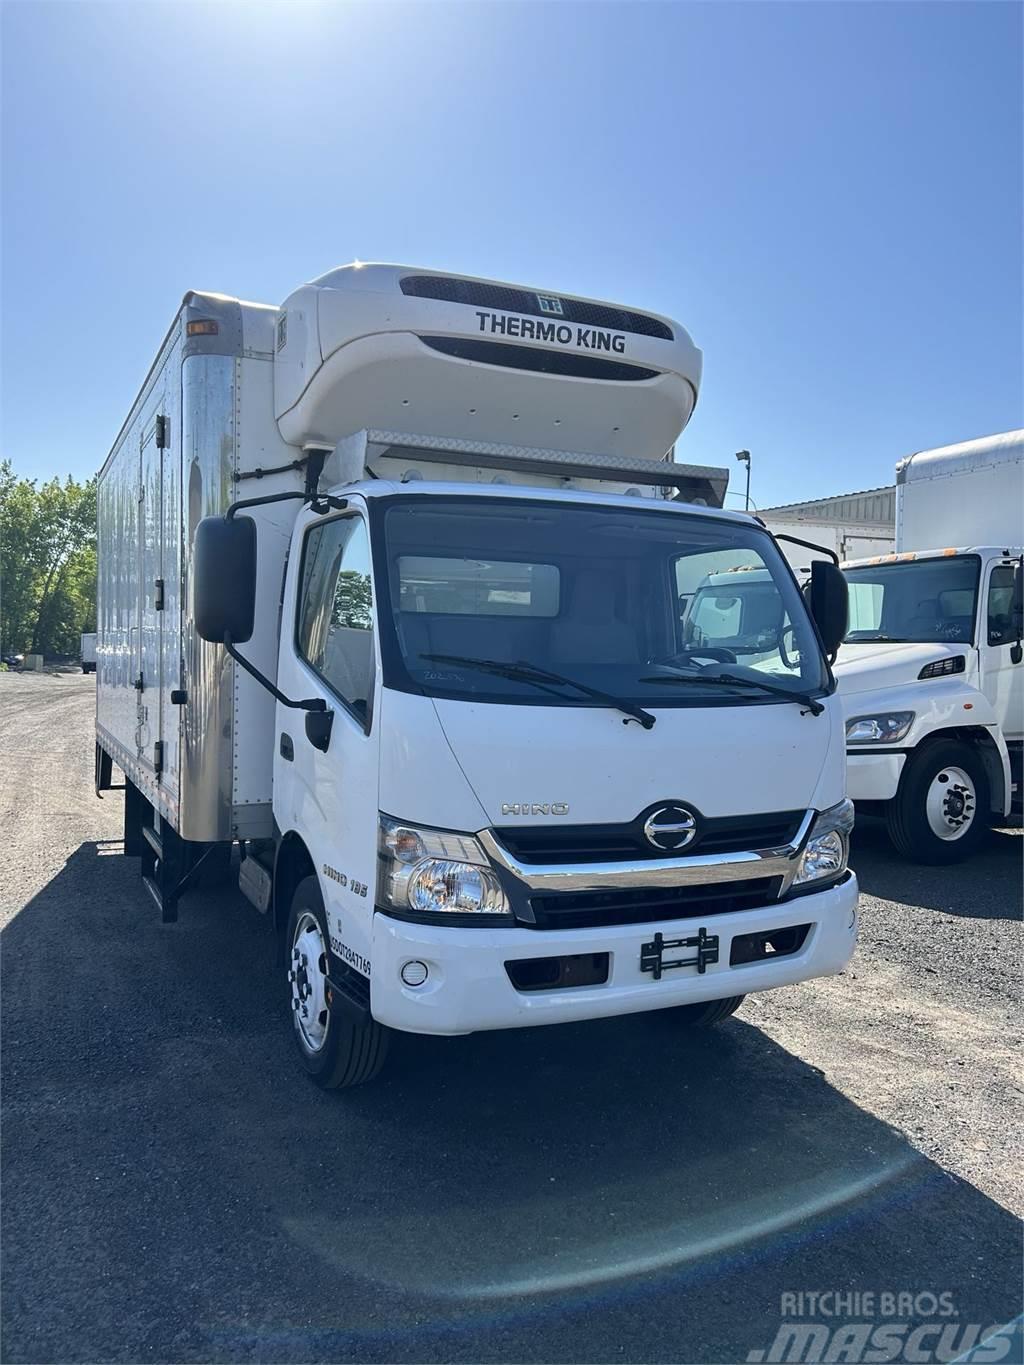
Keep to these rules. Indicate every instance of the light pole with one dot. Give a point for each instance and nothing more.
(744, 458)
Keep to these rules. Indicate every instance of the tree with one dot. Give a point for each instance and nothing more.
(47, 563)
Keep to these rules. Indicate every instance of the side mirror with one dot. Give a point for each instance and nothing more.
(1017, 612)
(224, 578)
(318, 729)
(828, 599)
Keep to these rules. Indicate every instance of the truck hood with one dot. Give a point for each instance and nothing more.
(584, 765)
(871, 667)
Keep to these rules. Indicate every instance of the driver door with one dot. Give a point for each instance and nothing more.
(1002, 679)
(328, 794)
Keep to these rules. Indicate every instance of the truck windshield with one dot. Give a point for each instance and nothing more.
(917, 600)
(617, 600)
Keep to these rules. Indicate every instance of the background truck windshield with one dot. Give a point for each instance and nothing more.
(650, 606)
(921, 600)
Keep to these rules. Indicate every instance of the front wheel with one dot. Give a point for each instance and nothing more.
(706, 1013)
(939, 812)
(334, 1050)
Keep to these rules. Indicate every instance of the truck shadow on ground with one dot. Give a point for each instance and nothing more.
(986, 886)
(175, 1189)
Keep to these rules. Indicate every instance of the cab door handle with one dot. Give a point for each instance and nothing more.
(287, 747)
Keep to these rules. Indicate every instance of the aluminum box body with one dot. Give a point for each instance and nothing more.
(188, 727)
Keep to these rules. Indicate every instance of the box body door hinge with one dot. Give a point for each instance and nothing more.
(158, 757)
(163, 432)
(158, 599)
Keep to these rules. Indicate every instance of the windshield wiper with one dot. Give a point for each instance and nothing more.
(530, 673)
(883, 639)
(735, 680)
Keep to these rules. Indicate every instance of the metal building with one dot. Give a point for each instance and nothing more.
(872, 507)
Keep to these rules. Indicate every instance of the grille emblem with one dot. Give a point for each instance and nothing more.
(670, 828)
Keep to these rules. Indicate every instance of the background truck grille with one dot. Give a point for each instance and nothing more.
(557, 843)
(523, 301)
(589, 909)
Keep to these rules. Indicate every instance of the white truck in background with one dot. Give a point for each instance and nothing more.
(88, 649)
(391, 586)
(931, 672)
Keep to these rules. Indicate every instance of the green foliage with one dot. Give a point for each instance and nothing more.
(47, 563)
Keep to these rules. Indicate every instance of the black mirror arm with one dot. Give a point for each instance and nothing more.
(320, 503)
(310, 704)
(810, 545)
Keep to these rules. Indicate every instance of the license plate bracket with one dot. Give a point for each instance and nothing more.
(652, 954)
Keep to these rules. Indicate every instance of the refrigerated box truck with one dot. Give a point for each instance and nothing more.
(932, 670)
(391, 597)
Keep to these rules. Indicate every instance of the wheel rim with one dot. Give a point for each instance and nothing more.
(951, 804)
(307, 973)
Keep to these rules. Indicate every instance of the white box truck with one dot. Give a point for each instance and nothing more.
(391, 595)
(88, 651)
(932, 670)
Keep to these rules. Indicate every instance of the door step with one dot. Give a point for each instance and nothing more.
(163, 866)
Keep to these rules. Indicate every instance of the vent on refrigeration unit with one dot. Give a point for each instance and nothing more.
(508, 300)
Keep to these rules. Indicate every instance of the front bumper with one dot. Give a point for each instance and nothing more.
(873, 777)
(468, 988)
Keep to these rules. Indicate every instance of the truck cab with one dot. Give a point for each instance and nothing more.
(932, 683)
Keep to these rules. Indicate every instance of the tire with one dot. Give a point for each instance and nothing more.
(940, 811)
(346, 1052)
(85, 668)
(708, 1012)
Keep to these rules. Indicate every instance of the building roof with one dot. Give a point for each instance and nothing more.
(870, 505)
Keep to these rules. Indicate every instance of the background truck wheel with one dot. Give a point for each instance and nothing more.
(707, 1012)
(940, 811)
(335, 1051)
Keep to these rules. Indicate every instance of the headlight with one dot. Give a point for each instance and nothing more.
(828, 847)
(887, 728)
(433, 872)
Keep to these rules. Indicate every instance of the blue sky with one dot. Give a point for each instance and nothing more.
(827, 195)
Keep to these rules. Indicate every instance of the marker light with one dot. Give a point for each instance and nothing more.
(202, 327)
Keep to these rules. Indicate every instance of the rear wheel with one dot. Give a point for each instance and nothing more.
(939, 812)
(708, 1012)
(335, 1049)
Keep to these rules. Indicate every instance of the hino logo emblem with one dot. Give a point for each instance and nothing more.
(670, 828)
(547, 303)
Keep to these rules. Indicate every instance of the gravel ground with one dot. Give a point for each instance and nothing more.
(618, 1191)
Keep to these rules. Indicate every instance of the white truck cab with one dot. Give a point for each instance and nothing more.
(931, 672)
(436, 679)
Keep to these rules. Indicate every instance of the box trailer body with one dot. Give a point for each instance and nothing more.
(836, 538)
(932, 671)
(171, 709)
(971, 493)
(88, 652)
(391, 595)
